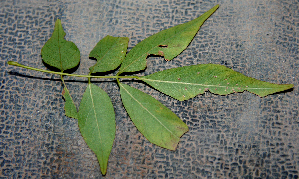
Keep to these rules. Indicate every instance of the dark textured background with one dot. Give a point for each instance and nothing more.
(236, 136)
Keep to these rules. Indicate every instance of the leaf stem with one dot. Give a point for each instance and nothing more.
(61, 76)
(66, 74)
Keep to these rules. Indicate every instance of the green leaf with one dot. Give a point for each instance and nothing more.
(186, 82)
(155, 121)
(97, 123)
(168, 43)
(59, 53)
(69, 107)
(109, 52)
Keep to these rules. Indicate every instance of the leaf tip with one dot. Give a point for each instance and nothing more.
(291, 86)
(284, 88)
(58, 21)
(174, 146)
(103, 170)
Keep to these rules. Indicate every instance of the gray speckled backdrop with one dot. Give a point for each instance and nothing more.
(234, 136)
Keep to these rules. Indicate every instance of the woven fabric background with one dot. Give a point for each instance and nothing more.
(235, 136)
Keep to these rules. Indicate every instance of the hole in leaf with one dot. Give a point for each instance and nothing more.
(163, 46)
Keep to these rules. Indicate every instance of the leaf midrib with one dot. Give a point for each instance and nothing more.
(95, 115)
(197, 84)
(59, 47)
(148, 111)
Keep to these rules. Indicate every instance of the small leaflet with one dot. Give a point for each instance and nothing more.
(59, 53)
(69, 106)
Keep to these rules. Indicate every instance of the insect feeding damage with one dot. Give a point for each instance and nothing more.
(161, 53)
(163, 46)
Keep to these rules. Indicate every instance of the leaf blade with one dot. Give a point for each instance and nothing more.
(59, 53)
(97, 123)
(154, 120)
(186, 82)
(168, 43)
(69, 106)
(109, 52)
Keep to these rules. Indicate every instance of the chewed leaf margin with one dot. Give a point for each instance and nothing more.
(167, 43)
(109, 52)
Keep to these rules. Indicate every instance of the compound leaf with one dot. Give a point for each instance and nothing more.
(59, 53)
(109, 52)
(186, 82)
(97, 123)
(154, 120)
(168, 43)
(69, 107)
